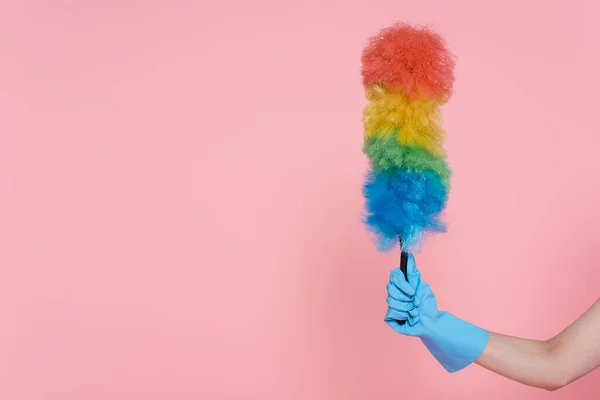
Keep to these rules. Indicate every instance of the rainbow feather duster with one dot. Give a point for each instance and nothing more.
(407, 74)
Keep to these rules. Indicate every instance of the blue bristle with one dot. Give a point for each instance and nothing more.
(404, 204)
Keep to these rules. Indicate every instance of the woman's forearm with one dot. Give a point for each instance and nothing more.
(530, 362)
(547, 364)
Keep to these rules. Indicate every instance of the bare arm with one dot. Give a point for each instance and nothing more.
(547, 364)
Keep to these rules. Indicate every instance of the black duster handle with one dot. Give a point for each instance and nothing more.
(403, 264)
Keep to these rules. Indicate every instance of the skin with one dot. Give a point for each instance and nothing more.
(549, 364)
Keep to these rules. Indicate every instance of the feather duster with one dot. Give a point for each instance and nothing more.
(407, 74)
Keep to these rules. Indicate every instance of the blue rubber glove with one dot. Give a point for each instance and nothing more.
(453, 342)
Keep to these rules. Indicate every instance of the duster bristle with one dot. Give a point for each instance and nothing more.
(387, 155)
(407, 73)
(404, 204)
(417, 121)
(410, 60)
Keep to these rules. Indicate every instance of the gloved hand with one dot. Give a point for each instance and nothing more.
(453, 342)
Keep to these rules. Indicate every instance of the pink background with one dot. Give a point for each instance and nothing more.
(180, 197)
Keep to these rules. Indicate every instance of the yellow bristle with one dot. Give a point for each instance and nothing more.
(416, 122)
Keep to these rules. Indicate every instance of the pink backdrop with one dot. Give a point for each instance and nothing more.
(180, 197)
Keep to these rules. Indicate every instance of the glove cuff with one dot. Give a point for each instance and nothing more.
(455, 343)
